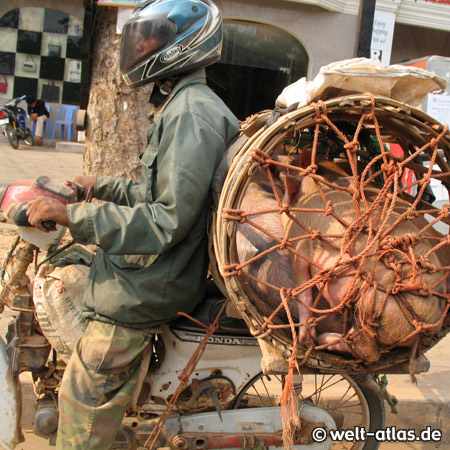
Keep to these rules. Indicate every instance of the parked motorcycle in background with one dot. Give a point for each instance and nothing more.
(13, 123)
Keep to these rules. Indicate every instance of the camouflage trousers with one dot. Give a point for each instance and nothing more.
(98, 384)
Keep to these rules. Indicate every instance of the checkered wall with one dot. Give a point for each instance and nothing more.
(41, 54)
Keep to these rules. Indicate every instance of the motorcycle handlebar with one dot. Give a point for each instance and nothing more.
(15, 101)
(20, 218)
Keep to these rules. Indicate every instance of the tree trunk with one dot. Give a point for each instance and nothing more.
(117, 114)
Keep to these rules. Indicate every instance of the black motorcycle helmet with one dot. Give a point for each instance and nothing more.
(30, 99)
(165, 38)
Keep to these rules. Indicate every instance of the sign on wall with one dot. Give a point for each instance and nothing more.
(382, 36)
(438, 106)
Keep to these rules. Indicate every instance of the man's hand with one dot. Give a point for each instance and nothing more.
(88, 182)
(82, 185)
(46, 209)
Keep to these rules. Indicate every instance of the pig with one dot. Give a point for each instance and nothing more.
(376, 319)
(379, 320)
(276, 268)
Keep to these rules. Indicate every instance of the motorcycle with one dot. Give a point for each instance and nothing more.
(226, 402)
(13, 123)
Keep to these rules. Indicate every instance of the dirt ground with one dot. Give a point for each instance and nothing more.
(32, 442)
(7, 235)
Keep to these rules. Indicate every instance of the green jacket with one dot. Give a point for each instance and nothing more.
(151, 234)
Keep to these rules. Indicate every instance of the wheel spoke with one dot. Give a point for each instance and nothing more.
(320, 392)
(331, 385)
(257, 392)
(341, 404)
(346, 402)
(267, 391)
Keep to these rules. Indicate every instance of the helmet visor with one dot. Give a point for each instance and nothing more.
(143, 37)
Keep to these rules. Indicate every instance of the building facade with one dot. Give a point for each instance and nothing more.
(43, 50)
(268, 44)
(320, 31)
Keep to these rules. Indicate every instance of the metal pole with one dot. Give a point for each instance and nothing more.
(366, 14)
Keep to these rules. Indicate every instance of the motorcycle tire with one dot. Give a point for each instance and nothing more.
(372, 404)
(28, 137)
(12, 136)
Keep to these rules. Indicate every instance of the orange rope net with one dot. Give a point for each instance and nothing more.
(350, 240)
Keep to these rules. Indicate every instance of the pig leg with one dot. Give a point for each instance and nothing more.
(334, 291)
(334, 342)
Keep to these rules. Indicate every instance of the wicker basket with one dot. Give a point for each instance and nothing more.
(334, 129)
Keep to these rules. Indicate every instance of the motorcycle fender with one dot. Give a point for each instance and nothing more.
(9, 406)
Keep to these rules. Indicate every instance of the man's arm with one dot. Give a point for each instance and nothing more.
(120, 190)
(189, 152)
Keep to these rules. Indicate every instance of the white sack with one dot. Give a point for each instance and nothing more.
(406, 84)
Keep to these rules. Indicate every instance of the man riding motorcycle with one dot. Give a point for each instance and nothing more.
(150, 234)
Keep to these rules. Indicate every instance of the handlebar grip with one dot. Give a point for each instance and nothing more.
(20, 218)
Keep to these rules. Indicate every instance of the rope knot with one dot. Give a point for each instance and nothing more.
(419, 326)
(389, 167)
(234, 214)
(231, 270)
(284, 244)
(434, 142)
(425, 263)
(315, 234)
(288, 292)
(261, 158)
(352, 146)
(320, 108)
(311, 169)
(329, 208)
(412, 213)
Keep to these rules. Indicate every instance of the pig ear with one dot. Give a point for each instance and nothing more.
(291, 186)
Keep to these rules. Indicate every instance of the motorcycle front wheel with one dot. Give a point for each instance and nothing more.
(351, 402)
(12, 136)
(28, 137)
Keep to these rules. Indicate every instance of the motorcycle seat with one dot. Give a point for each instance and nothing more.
(207, 311)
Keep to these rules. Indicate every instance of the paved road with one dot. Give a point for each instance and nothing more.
(30, 162)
